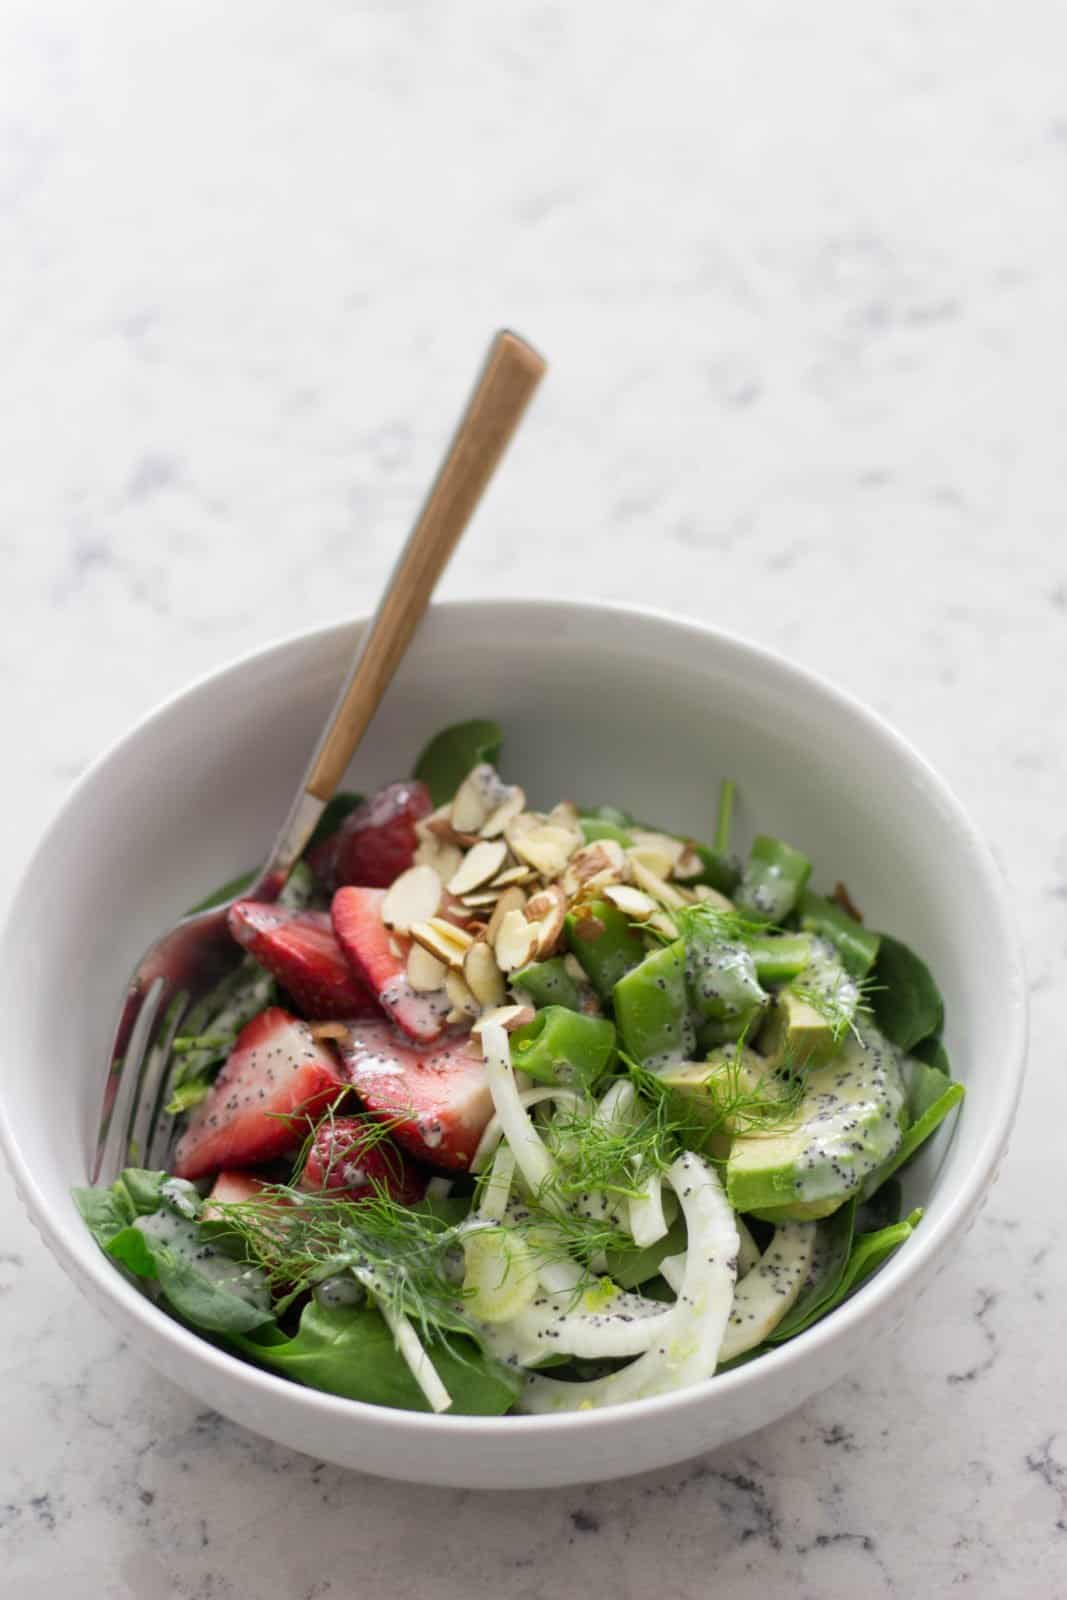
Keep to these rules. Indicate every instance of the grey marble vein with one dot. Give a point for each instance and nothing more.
(800, 273)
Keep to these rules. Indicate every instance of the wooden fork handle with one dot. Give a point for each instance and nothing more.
(507, 382)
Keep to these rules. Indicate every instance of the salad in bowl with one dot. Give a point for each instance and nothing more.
(532, 1111)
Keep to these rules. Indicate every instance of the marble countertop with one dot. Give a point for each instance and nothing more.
(800, 277)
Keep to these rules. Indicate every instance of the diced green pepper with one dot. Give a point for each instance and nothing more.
(856, 945)
(548, 983)
(773, 880)
(779, 956)
(652, 1010)
(561, 1046)
(605, 944)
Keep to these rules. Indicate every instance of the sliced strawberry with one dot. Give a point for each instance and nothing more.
(376, 842)
(370, 947)
(230, 1188)
(301, 949)
(350, 1160)
(437, 1100)
(276, 1076)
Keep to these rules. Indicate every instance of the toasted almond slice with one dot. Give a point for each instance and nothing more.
(664, 842)
(425, 971)
(652, 858)
(512, 876)
(478, 794)
(429, 827)
(443, 940)
(548, 909)
(688, 865)
(481, 863)
(413, 897)
(654, 885)
(574, 969)
(516, 941)
(443, 856)
(511, 899)
(565, 815)
(482, 899)
(458, 991)
(498, 819)
(664, 923)
(507, 1017)
(483, 975)
(545, 846)
(603, 861)
(637, 905)
(712, 897)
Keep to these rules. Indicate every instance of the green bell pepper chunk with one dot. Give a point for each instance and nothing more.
(604, 942)
(548, 983)
(561, 1046)
(773, 880)
(779, 956)
(652, 1008)
(856, 945)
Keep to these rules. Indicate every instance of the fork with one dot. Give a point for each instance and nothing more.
(182, 966)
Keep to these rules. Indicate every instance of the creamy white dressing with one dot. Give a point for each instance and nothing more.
(182, 1238)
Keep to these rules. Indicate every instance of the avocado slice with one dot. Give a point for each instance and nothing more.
(848, 1123)
(710, 1093)
(814, 1013)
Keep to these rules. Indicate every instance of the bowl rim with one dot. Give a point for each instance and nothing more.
(926, 1244)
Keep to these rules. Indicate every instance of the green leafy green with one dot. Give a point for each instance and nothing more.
(919, 1131)
(833, 1242)
(906, 1001)
(629, 1268)
(451, 754)
(856, 945)
(926, 1085)
(228, 891)
(349, 1351)
(933, 1052)
(882, 1209)
(868, 1253)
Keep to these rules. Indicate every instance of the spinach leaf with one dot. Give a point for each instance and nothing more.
(882, 1209)
(137, 1192)
(833, 1242)
(337, 809)
(629, 1268)
(349, 1351)
(217, 897)
(906, 1001)
(917, 1134)
(926, 1085)
(933, 1052)
(451, 754)
(868, 1252)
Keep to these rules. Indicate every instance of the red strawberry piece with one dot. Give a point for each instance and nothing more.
(301, 950)
(377, 841)
(437, 1100)
(230, 1188)
(373, 951)
(276, 1077)
(350, 1160)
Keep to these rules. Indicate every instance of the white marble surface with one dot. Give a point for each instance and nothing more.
(800, 275)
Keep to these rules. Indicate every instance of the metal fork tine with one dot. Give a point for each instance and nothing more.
(125, 1077)
(154, 1077)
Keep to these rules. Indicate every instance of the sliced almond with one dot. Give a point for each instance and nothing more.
(511, 899)
(659, 862)
(515, 942)
(443, 856)
(443, 940)
(507, 1017)
(656, 886)
(459, 993)
(637, 905)
(547, 909)
(712, 897)
(565, 815)
(603, 861)
(481, 863)
(498, 819)
(664, 923)
(545, 846)
(430, 827)
(664, 842)
(573, 968)
(479, 794)
(482, 900)
(688, 865)
(425, 971)
(512, 876)
(483, 976)
(413, 897)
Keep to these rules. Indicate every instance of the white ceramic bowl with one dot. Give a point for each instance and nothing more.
(599, 703)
